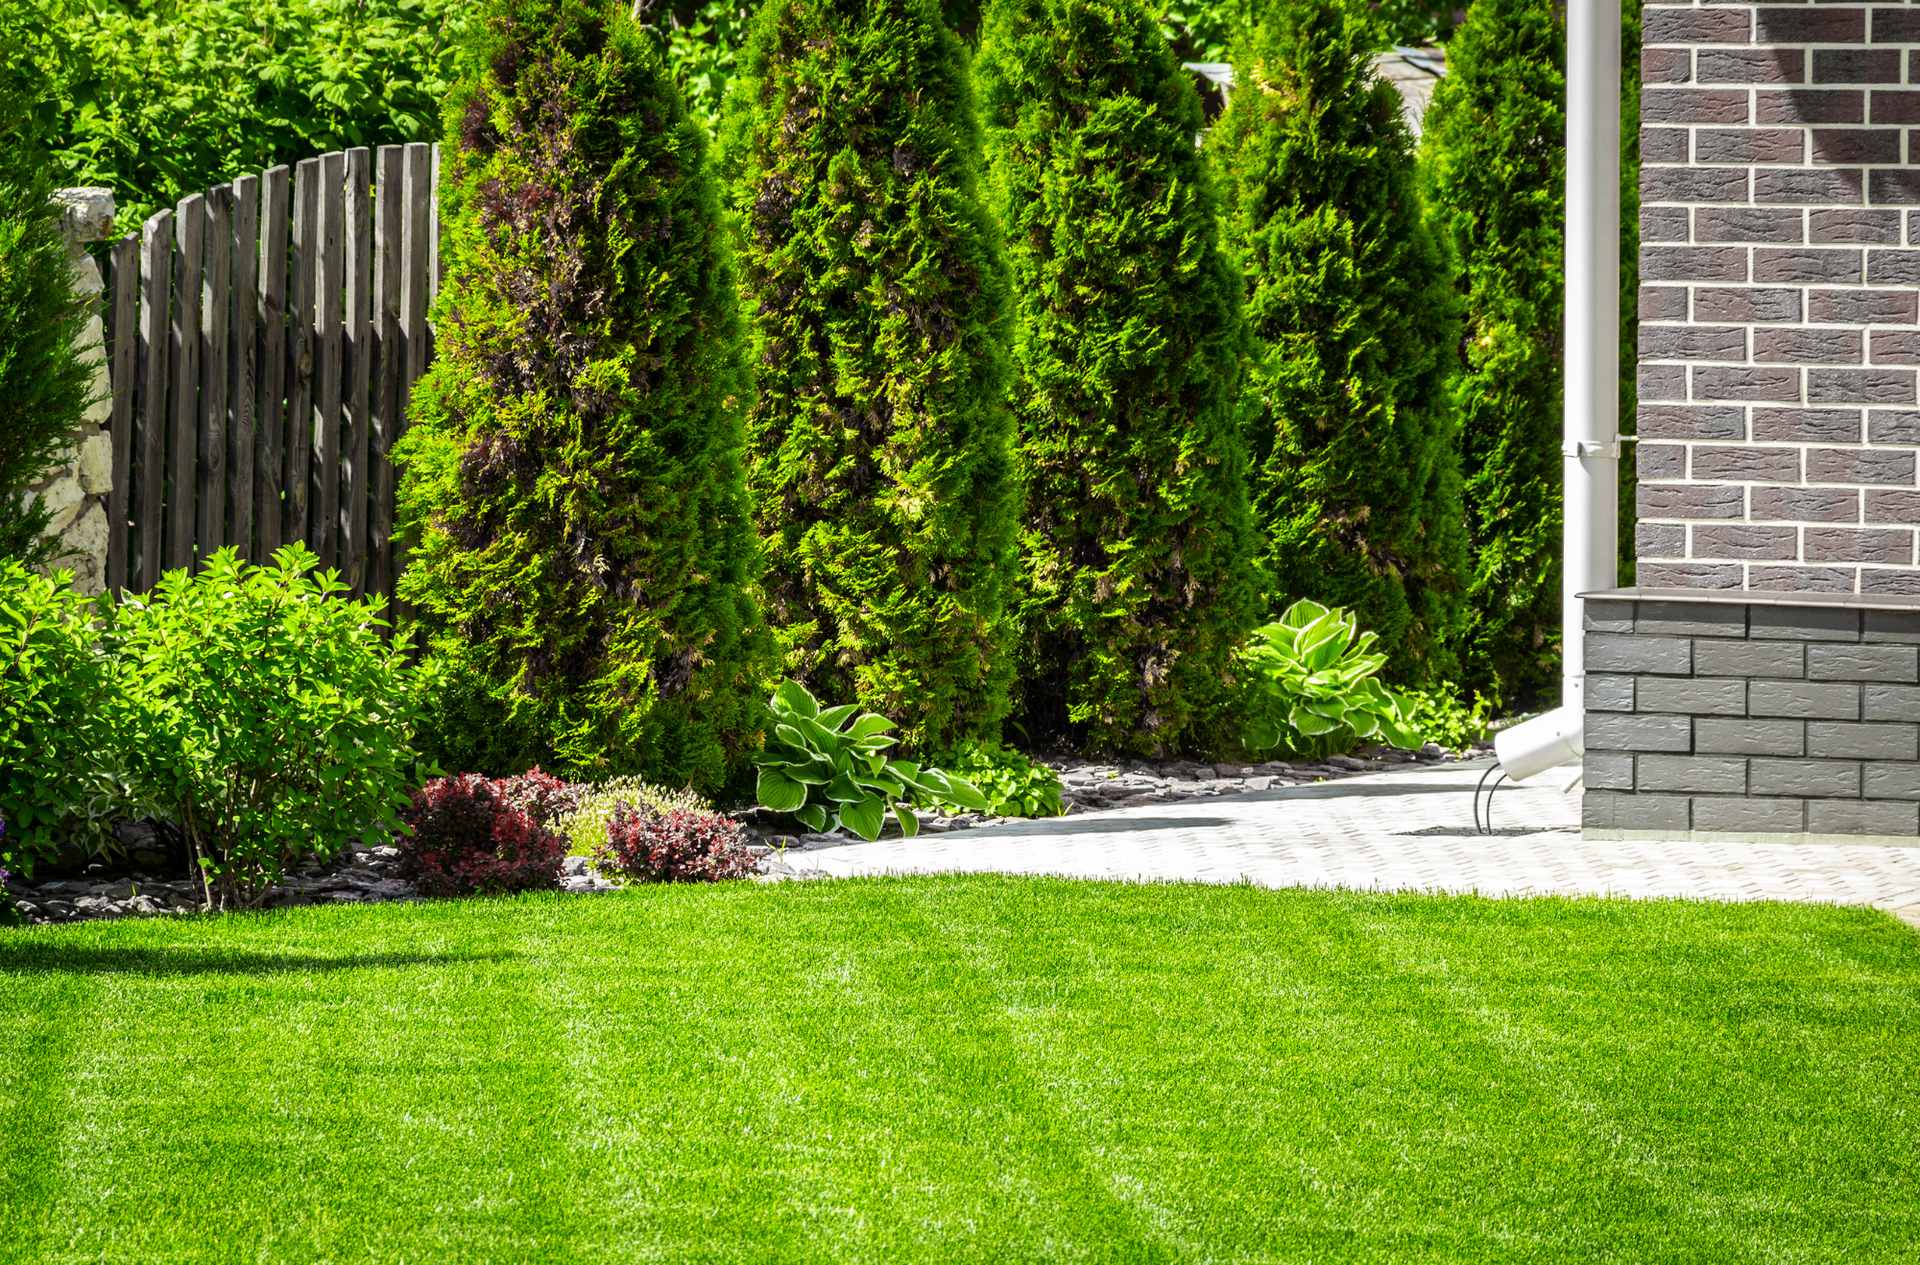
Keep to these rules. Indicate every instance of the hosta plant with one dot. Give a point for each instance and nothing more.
(1314, 687)
(830, 768)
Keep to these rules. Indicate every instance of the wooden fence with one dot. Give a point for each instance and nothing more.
(263, 340)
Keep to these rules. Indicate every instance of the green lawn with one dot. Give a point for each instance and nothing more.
(974, 1068)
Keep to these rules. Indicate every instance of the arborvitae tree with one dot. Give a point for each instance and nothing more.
(1138, 543)
(45, 384)
(1496, 168)
(885, 491)
(583, 552)
(1350, 300)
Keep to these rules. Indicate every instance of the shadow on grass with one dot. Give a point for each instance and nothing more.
(56, 959)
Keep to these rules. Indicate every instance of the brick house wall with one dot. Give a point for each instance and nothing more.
(1763, 677)
(1780, 225)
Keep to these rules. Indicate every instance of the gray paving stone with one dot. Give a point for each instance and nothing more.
(1359, 834)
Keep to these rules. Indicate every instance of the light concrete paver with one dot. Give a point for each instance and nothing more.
(1398, 831)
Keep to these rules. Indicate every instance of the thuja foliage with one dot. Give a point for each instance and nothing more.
(1349, 298)
(1138, 548)
(882, 463)
(573, 484)
(1496, 183)
(45, 385)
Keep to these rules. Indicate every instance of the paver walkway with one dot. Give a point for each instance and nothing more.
(1397, 831)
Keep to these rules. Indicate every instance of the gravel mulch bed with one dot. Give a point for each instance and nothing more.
(368, 875)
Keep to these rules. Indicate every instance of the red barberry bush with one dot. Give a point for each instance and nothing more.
(469, 836)
(682, 846)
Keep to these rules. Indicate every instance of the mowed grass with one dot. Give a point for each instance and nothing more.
(956, 1069)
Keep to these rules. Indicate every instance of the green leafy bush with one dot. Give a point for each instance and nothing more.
(62, 742)
(585, 825)
(572, 488)
(829, 768)
(1137, 545)
(1496, 176)
(1351, 301)
(1441, 714)
(161, 98)
(267, 713)
(45, 385)
(1014, 786)
(882, 465)
(466, 835)
(1313, 688)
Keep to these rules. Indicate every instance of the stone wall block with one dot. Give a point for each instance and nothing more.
(1740, 815)
(1639, 733)
(1846, 741)
(1721, 736)
(1810, 700)
(1898, 664)
(1638, 654)
(1781, 659)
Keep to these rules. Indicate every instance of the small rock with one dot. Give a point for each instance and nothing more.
(574, 865)
(1346, 762)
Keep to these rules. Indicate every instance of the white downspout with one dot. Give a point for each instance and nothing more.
(1590, 460)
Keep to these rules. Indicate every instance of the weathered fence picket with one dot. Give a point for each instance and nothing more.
(264, 337)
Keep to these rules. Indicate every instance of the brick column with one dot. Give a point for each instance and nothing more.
(1762, 677)
(1780, 253)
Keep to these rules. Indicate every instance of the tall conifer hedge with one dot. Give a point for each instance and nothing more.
(582, 549)
(882, 470)
(1349, 297)
(1495, 137)
(1138, 545)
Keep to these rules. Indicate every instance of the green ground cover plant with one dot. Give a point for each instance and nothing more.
(1013, 783)
(882, 469)
(1349, 299)
(1137, 544)
(573, 492)
(965, 1069)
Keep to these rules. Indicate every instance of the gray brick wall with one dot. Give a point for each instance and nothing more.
(1752, 717)
(1779, 413)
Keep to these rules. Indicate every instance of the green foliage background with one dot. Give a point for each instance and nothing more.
(882, 468)
(1138, 545)
(1496, 172)
(1350, 299)
(45, 387)
(159, 99)
(572, 482)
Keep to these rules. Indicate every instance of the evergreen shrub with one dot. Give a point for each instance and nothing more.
(882, 468)
(582, 555)
(1138, 549)
(1496, 173)
(45, 386)
(1350, 300)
